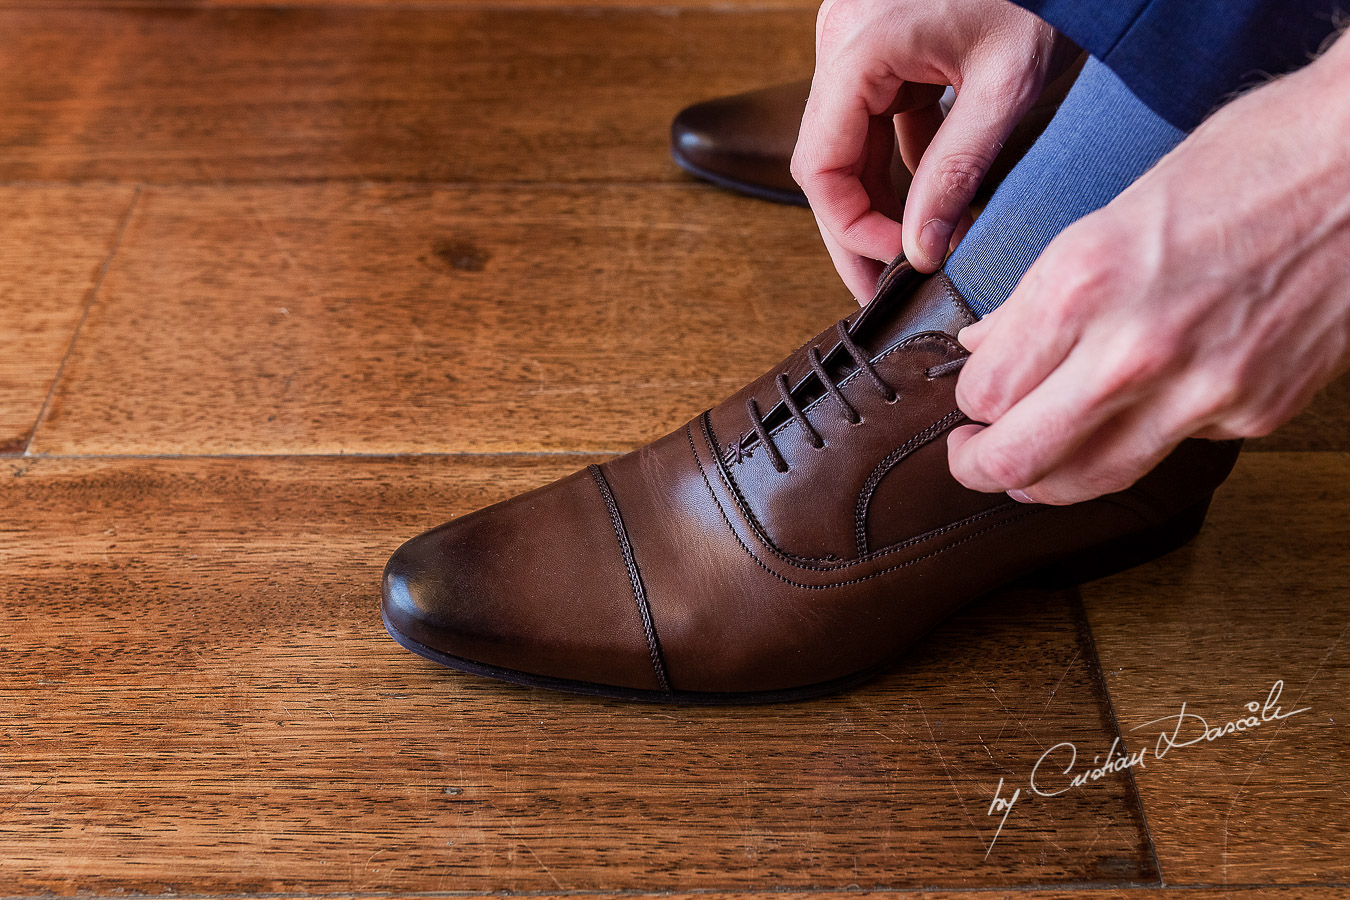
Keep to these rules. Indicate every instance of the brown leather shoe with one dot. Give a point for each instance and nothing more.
(792, 541)
(744, 142)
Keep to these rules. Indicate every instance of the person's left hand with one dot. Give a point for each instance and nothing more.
(1210, 299)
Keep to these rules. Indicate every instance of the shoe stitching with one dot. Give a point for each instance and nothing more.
(959, 303)
(806, 562)
(924, 337)
(723, 465)
(639, 593)
(836, 584)
(893, 459)
(744, 507)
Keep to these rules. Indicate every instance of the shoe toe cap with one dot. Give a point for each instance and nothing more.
(536, 585)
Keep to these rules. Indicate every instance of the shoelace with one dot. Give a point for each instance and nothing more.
(850, 413)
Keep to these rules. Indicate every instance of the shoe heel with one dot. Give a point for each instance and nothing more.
(1125, 552)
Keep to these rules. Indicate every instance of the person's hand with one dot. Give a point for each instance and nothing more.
(881, 67)
(1210, 299)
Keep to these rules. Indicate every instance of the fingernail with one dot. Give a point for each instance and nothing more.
(1020, 497)
(934, 238)
(961, 336)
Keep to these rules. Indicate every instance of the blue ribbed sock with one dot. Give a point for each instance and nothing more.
(1100, 141)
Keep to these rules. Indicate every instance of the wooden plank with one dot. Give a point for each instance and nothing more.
(54, 242)
(199, 697)
(1262, 595)
(464, 95)
(325, 319)
(1139, 892)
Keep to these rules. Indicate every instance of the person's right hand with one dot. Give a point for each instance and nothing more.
(881, 67)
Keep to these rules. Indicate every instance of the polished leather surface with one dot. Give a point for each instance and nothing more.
(697, 564)
(744, 142)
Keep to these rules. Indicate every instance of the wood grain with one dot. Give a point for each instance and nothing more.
(325, 319)
(174, 94)
(1262, 595)
(199, 697)
(54, 241)
(1137, 892)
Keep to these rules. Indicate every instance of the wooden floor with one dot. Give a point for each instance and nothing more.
(283, 286)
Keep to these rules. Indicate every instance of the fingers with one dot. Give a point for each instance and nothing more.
(859, 273)
(1042, 431)
(914, 131)
(871, 187)
(831, 156)
(1016, 347)
(954, 165)
(847, 138)
(875, 61)
(1111, 460)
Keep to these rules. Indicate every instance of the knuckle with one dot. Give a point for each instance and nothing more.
(1215, 395)
(1002, 466)
(959, 175)
(1099, 237)
(1086, 263)
(978, 399)
(1109, 480)
(823, 13)
(1136, 363)
(1133, 359)
(1255, 423)
(1082, 275)
(839, 20)
(799, 167)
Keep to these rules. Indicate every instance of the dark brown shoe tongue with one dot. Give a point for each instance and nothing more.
(907, 302)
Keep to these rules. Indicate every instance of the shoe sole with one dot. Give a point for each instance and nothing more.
(639, 695)
(1106, 559)
(758, 191)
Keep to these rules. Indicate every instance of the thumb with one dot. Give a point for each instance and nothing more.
(953, 167)
(973, 335)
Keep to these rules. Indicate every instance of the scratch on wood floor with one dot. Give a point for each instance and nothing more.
(25, 797)
(938, 749)
(1055, 690)
(1261, 754)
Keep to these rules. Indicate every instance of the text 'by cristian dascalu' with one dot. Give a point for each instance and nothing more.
(1057, 772)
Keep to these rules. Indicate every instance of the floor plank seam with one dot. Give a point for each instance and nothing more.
(1113, 723)
(409, 454)
(84, 316)
(429, 454)
(638, 894)
(675, 182)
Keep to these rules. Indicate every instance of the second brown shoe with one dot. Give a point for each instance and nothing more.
(792, 541)
(744, 142)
